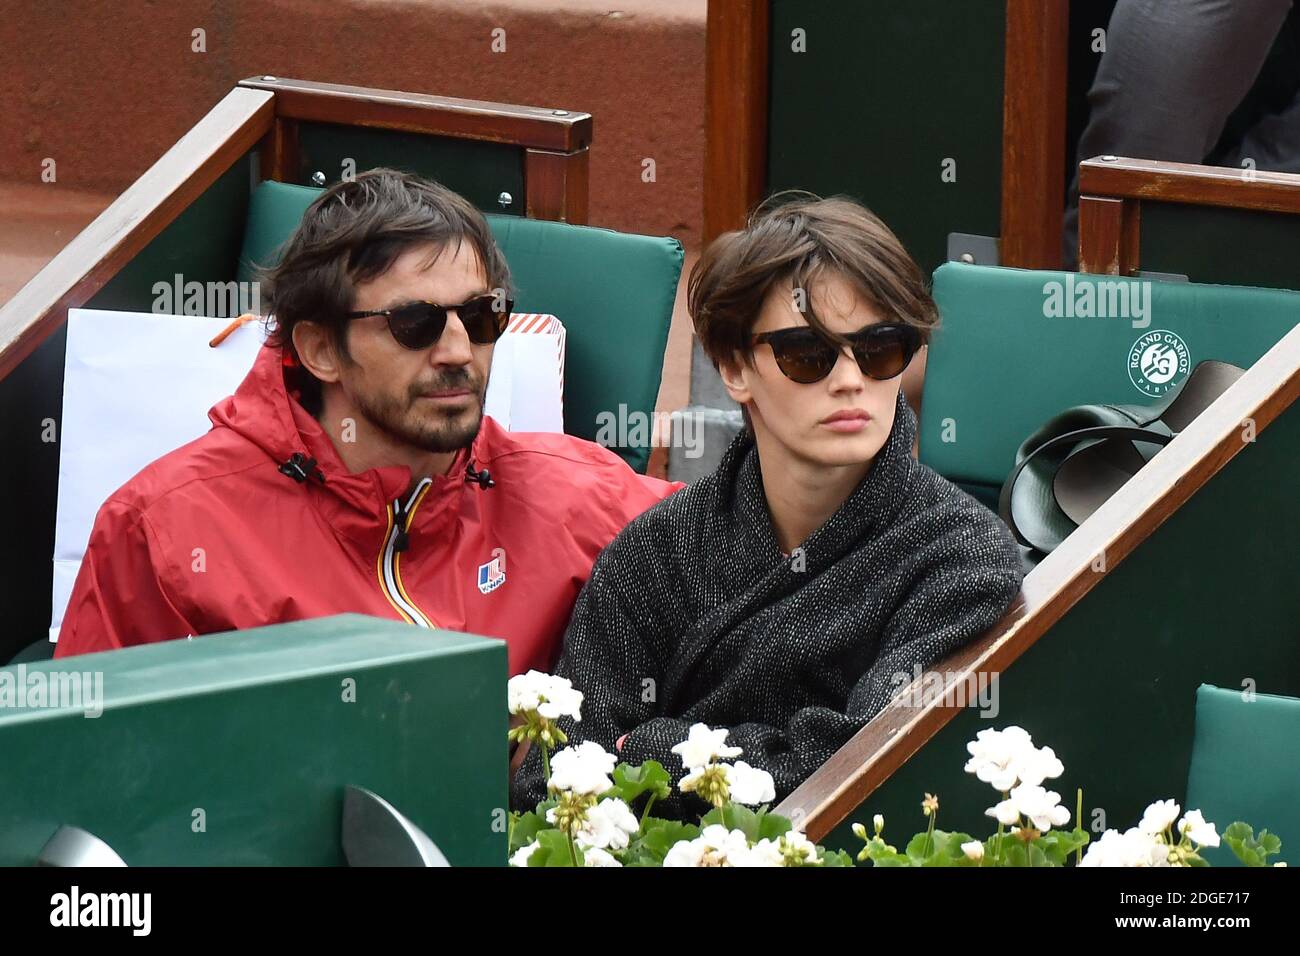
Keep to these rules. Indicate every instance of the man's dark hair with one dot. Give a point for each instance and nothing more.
(352, 233)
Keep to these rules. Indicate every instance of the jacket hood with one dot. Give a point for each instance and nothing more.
(264, 413)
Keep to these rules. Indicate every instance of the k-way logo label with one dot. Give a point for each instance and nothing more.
(493, 574)
(1158, 362)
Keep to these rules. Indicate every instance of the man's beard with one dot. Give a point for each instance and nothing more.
(434, 431)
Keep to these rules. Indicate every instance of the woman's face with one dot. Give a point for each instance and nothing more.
(845, 418)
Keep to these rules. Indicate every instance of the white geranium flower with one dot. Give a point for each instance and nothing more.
(704, 746)
(1132, 848)
(763, 853)
(1159, 817)
(749, 785)
(552, 697)
(522, 854)
(1006, 812)
(715, 846)
(1197, 829)
(1041, 806)
(974, 850)
(583, 769)
(995, 755)
(1033, 766)
(595, 856)
(609, 825)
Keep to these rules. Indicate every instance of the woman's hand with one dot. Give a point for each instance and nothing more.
(518, 750)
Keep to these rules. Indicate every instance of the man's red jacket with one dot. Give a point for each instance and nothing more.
(215, 536)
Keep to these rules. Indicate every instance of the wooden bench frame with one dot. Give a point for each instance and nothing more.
(1113, 188)
(264, 112)
(1033, 123)
(1051, 589)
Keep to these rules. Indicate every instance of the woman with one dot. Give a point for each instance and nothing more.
(786, 595)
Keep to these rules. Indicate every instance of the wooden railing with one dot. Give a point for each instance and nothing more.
(264, 112)
(1127, 519)
(1113, 188)
(555, 142)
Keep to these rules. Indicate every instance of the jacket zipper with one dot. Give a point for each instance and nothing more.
(396, 541)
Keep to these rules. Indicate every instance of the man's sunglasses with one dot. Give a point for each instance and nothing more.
(420, 324)
(805, 356)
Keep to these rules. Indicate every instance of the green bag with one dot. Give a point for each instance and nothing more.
(1069, 467)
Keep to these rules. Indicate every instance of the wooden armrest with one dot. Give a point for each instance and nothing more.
(1112, 188)
(532, 127)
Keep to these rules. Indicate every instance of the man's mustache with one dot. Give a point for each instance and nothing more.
(461, 378)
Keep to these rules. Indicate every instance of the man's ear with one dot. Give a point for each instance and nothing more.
(734, 381)
(316, 351)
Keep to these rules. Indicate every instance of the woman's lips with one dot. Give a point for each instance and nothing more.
(847, 421)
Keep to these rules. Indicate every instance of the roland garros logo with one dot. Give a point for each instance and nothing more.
(1157, 362)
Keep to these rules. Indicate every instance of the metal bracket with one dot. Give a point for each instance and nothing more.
(375, 834)
(73, 846)
(974, 250)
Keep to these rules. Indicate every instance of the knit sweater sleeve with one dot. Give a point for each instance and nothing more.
(611, 653)
(956, 598)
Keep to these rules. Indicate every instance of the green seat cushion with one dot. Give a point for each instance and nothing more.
(613, 291)
(1003, 361)
(1244, 766)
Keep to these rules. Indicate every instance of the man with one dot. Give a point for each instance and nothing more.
(353, 469)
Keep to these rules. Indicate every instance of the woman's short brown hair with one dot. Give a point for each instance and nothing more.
(797, 236)
(352, 233)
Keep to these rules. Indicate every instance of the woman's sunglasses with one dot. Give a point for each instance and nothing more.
(803, 355)
(420, 324)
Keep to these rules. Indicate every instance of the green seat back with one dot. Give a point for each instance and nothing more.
(1244, 766)
(1001, 364)
(613, 291)
(920, 144)
(261, 730)
(479, 170)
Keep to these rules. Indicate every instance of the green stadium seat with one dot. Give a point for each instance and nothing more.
(1000, 366)
(1244, 767)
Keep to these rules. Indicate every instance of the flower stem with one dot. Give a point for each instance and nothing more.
(648, 804)
(573, 850)
(1078, 822)
(546, 763)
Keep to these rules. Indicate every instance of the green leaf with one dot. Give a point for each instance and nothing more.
(632, 782)
(834, 857)
(772, 825)
(553, 851)
(525, 829)
(1240, 838)
(657, 838)
(1014, 853)
(733, 816)
(1270, 843)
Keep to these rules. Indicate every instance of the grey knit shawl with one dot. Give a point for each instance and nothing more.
(694, 614)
